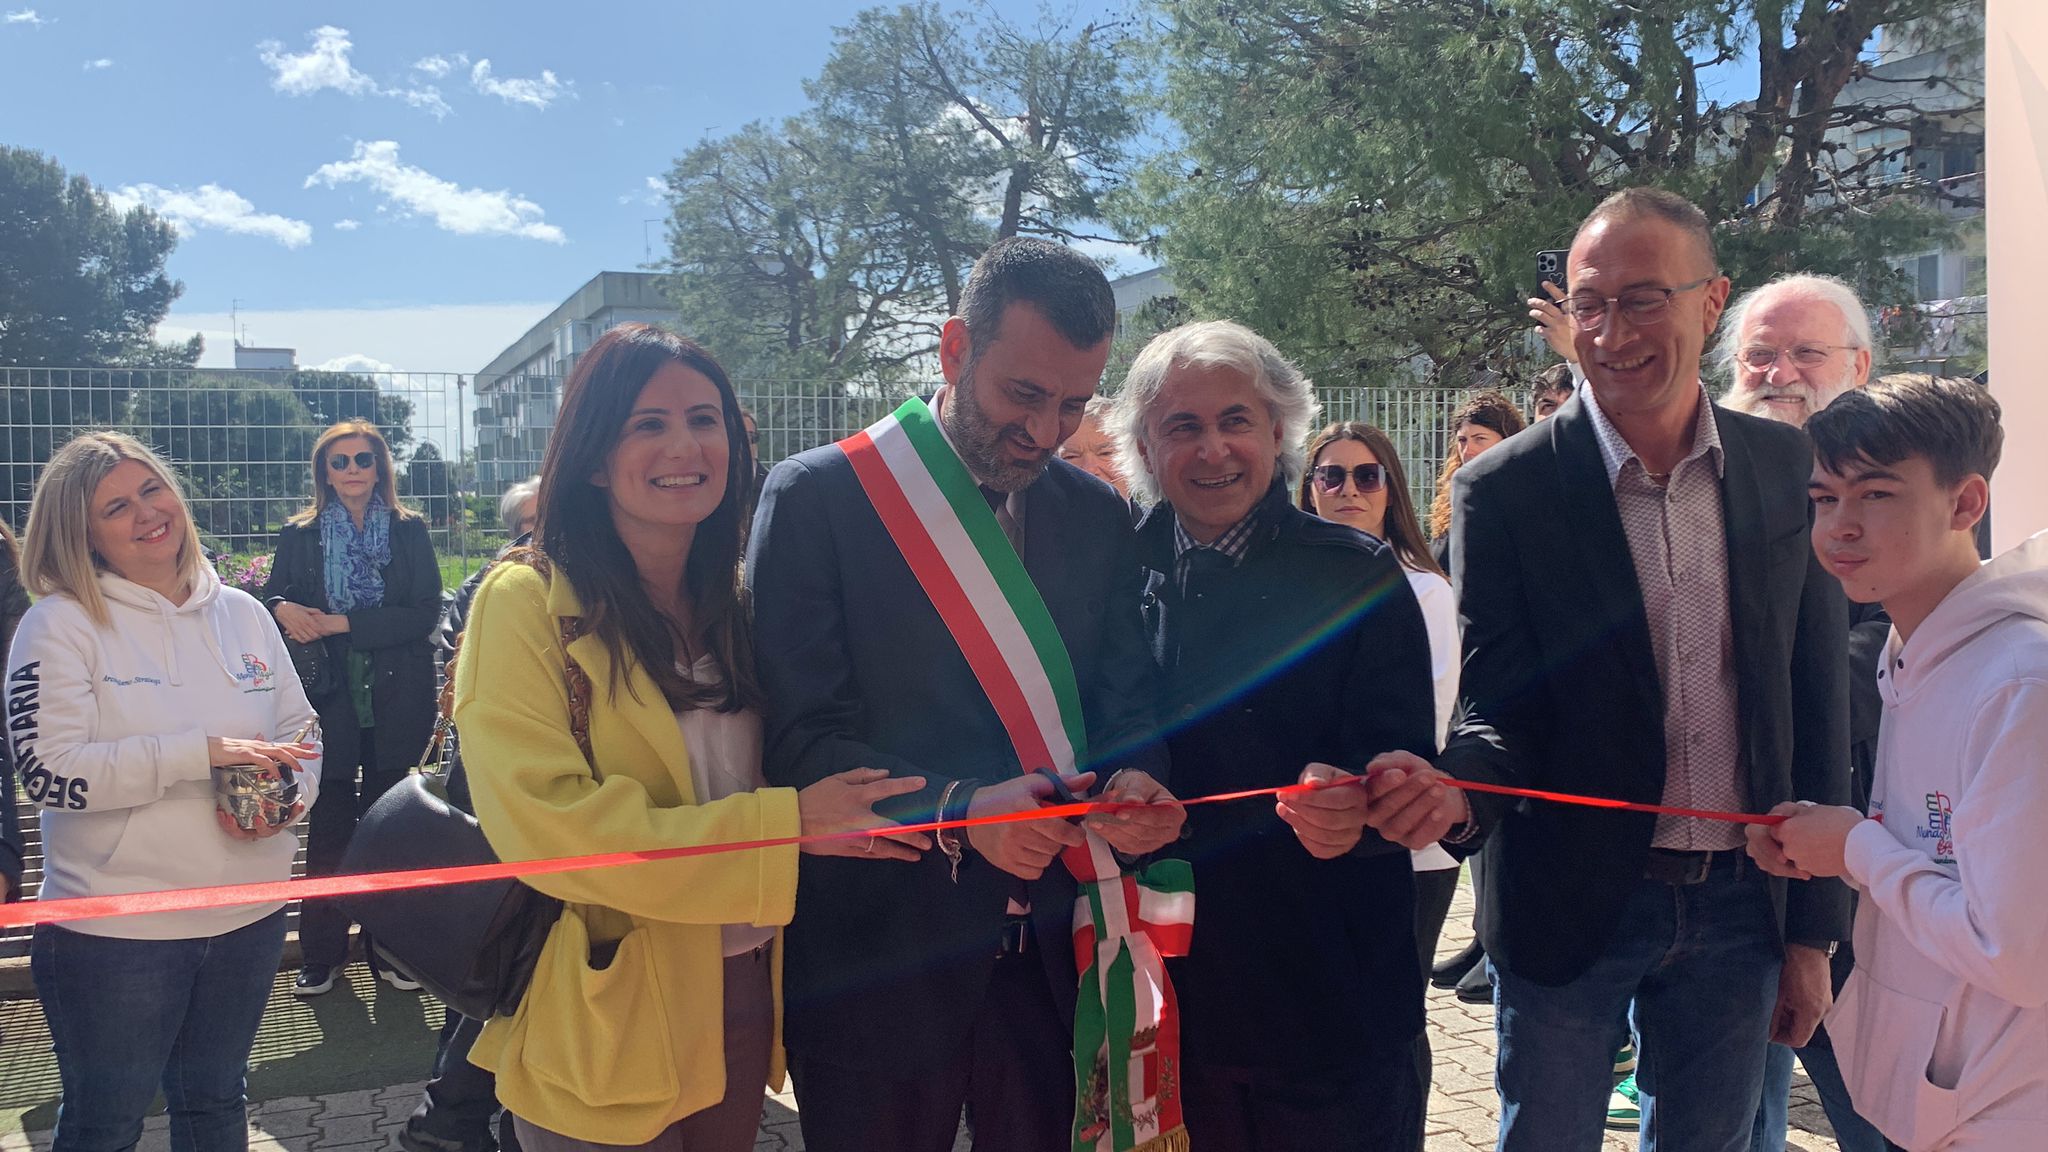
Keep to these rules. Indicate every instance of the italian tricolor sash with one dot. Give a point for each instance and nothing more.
(1126, 1031)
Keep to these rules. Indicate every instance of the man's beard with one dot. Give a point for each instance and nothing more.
(1752, 399)
(980, 440)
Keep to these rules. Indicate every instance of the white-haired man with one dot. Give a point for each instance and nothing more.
(1291, 651)
(1794, 345)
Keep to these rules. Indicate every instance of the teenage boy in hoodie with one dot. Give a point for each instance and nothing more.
(1942, 1030)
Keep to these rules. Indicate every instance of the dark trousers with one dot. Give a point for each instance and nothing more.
(1369, 1107)
(128, 1017)
(1014, 1075)
(323, 926)
(460, 1105)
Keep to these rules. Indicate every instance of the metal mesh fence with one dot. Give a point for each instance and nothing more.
(243, 440)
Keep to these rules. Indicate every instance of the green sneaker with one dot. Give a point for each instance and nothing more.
(1624, 1106)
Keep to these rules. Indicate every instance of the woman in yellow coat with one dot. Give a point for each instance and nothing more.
(654, 1014)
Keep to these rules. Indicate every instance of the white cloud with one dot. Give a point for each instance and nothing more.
(464, 211)
(24, 16)
(353, 362)
(427, 98)
(325, 66)
(436, 66)
(651, 192)
(347, 225)
(98, 65)
(214, 207)
(535, 93)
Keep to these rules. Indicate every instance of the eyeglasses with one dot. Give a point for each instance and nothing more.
(339, 462)
(1365, 477)
(1641, 305)
(1761, 359)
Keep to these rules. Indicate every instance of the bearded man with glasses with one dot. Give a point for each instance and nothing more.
(1794, 345)
(1701, 669)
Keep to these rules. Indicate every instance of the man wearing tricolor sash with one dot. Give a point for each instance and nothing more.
(1292, 651)
(939, 597)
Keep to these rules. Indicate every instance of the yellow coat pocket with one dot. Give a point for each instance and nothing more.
(601, 1035)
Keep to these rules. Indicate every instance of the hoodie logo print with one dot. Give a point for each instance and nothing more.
(1940, 827)
(24, 701)
(254, 673)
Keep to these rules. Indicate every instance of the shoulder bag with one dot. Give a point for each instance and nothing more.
(472, 945)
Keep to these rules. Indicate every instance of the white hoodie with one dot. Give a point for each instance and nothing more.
(1942, 1031)
(110, 726)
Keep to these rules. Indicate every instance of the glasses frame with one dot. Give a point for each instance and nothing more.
(1611, 304)
(1826, 350)
(365, 461)
(1321, 481)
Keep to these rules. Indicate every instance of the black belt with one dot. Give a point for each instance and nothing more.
(1668, 866)
(1016, 938)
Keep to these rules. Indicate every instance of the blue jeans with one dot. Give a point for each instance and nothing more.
(1701, 962)
(1773, 1119)
(130, 1016)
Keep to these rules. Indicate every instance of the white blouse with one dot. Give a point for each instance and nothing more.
(725, 759)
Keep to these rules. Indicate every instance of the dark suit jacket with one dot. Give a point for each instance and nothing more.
(858, 670)
(1310, 650)
(398, 634)
(1563, 693)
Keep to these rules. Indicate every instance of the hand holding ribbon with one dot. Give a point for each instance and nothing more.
(1409, 803)
(1138, 831)
(1023, 849)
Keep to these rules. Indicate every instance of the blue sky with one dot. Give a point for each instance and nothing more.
(406, 184)
(339, 169)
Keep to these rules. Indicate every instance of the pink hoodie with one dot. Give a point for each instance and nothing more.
(1942, 1032)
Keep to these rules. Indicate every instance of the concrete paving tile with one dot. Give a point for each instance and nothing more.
(362, 1102)
(343, 1130)
(286, 1125)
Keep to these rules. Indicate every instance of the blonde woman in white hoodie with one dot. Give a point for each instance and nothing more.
(128, 682)
(1942, 1030)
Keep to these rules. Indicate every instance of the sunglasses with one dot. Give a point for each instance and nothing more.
(1365, 477)
(363, 460)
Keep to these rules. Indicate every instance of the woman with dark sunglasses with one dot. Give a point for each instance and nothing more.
(355, 582)
(1355, 478)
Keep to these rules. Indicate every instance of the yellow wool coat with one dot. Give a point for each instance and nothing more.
(617, 1054)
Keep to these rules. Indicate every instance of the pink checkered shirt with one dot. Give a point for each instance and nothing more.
(1679, 541)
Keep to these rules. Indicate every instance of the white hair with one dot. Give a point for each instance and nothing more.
(516, 496)
(1812, 285)
(1289, 394)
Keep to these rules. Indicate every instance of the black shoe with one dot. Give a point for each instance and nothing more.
(1475, 988)
(414, 1137)
(314, 980)
(1446, 973)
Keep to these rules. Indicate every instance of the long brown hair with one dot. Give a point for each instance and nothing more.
(323, 492)
(1400, 528)
(1489, 410)
(575, 535)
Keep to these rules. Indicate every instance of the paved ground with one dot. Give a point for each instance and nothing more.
(340, 1074)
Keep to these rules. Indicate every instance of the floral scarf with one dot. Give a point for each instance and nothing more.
(355, 558)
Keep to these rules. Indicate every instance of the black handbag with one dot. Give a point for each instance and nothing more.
(315, 665)
(475, 945)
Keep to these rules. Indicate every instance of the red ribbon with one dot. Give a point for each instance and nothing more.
(230, 895)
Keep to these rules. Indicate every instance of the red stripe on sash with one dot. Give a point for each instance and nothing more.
(954, 608)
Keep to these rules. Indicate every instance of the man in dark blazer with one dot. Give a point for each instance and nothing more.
(1292, 650)
(915, 988)
(1701, 667)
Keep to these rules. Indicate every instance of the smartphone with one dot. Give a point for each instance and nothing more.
(1550, 265)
